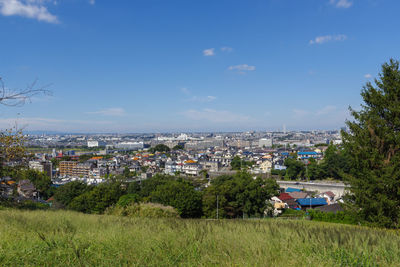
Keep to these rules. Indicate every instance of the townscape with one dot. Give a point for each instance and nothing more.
(200, 133)
(97, 159)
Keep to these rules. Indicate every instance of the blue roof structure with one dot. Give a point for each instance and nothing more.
(285, 153)
(290, 189)
(307, 153)
(311, 201)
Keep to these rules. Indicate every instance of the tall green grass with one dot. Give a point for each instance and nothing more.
(63, 238)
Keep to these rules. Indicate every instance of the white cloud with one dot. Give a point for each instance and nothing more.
(368, 76)
(328, 38)
(216, 116)
(226, 49)
(211, 98)
(34, 9)
(109, 112)
(92, 2)
(242, 68)
(341, 3)
(209, 52)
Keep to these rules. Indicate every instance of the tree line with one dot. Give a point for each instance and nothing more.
(237, 195)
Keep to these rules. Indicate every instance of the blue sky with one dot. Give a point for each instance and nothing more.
(215, 65)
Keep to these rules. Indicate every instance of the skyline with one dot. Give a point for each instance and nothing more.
(175, 66)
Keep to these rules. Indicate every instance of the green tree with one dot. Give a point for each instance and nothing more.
(66, 193)
(159, 148)
(133, 188)
(295, 169)
(313, 170)
(40, 180)
(181, 195)
(128, 199)
(98, 199)
(238, 195)
(178, 147)
(151, 184)
(335, 163)
(373, 148)
(238, 164)
(127, 172)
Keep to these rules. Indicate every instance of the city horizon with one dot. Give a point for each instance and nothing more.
(165, 66)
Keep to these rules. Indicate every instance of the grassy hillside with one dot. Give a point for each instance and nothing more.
(48, 238)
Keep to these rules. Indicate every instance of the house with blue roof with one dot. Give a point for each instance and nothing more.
(306, 203)
(291, 189)
(307, 154)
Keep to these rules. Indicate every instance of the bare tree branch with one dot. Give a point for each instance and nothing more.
(9, 97)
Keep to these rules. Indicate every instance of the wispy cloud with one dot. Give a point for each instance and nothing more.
(185, 91)
(242, 68)
(34, 9)
(323, 117)
(109, 112)
(341, 3)
(326, 110)
(328, 38)
(368, 76)
(196, 98)
(300, 113)
(92, 2)
(202, 99)
(226, 49)
(40, 123)
(209, 52)
(216, 116)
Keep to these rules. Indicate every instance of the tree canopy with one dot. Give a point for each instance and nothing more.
(66, 193)
(159, 148)
(372, 145)
(238, 164)
(238, 195)
(181, 195)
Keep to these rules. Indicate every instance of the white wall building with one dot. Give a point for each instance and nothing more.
(265, 142)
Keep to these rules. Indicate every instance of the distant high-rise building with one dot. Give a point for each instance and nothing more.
(284, 128)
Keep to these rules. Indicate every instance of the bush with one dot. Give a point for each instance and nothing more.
(128, 199)
(339, 217)
(144, 210)
(293, 213)
(32, 205)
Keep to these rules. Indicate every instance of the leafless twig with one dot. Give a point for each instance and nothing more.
(14, 98)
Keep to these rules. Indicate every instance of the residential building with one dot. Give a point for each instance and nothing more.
(265, 142)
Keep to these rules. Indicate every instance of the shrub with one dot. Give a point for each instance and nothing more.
(339, 217)
(292, 213)
(128, 199)
(144, 210)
